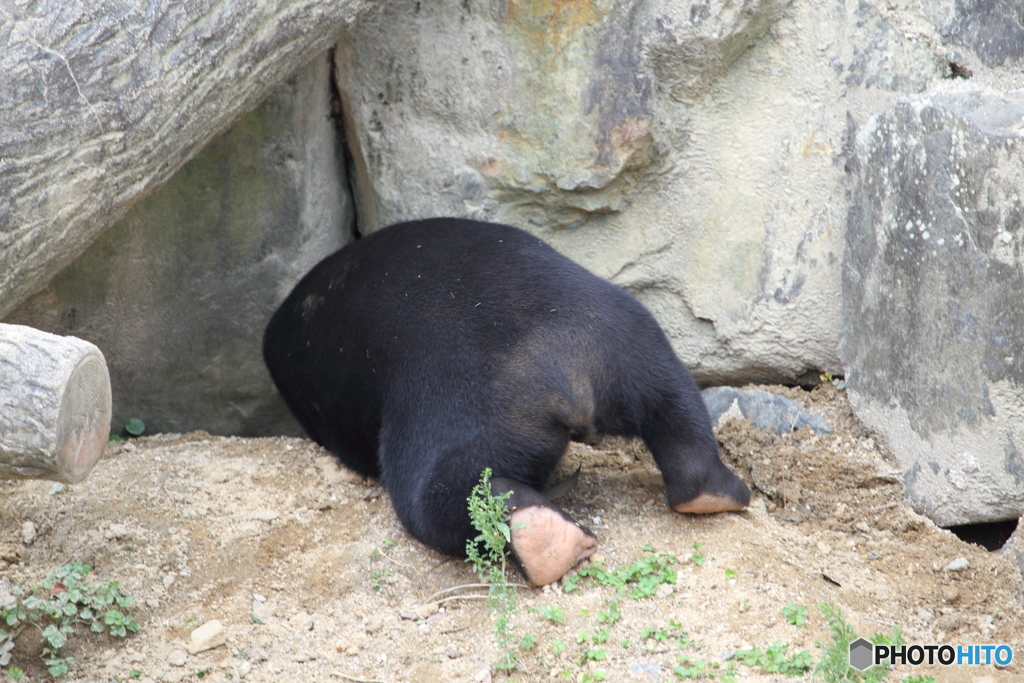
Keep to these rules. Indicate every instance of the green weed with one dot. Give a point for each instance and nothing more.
(774, 659)
(62, 601)
(834, 666)
(487, 553)
(795, 614)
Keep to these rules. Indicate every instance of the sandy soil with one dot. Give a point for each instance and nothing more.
(270, 530)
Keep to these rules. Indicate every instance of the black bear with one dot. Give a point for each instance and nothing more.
(430, 350)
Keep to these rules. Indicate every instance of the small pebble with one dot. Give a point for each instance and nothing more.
(28, 532)
(301, 621)
(208, 636)
(959, 564)
(374, 623)
(597, 557)
(424, 611)
(177, 658)
(267, 515)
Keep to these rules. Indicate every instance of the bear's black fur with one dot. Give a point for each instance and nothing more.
(429, 350)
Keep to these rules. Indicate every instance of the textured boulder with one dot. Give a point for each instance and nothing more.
(102, 101)
(765, 409)
(178, 292)
(933, 280)
(690, 152)
(994, 29)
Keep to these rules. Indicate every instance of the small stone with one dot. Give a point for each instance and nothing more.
(208, 636)
(824, 548)
(266, 515)
(482, 674)
(374, 623)
(452, 653)
(177, 658)
(424, 611)
(243, 669)
(664, 590)
(28, 532)
(950, 593)
(301, 621)
(116, 531)
(862, 527)
(597, 557)
(352, 650)
(408, 615)
(926, 615)
(260, 612)
(957, 565)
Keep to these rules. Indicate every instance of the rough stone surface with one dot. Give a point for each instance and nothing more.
(994, 29)
(765, 409)
(933, 327)
(178, 292)
(692, 153)
(102, 101)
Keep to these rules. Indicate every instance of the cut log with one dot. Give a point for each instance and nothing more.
(102, 101)
(54, 405)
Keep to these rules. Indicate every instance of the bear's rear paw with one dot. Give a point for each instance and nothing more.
(547, 544)
(709, 502)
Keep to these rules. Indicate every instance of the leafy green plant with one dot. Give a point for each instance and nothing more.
(487, 553)
(662, 636)
(730, 574)
(610, 615)
(135, 426)
(834, 666)
(552, 613)
(795, 614)
(60, 602)
(700, 668)
(698, 558)
(918, 679)
(774, 659)
(639, 580)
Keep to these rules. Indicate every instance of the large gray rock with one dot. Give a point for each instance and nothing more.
(178, 292)
(933, 285)
(994, 29)
(765, 409)
(690, 152)
(101, 101)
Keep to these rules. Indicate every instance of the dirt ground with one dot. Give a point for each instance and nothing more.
(314, 579)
